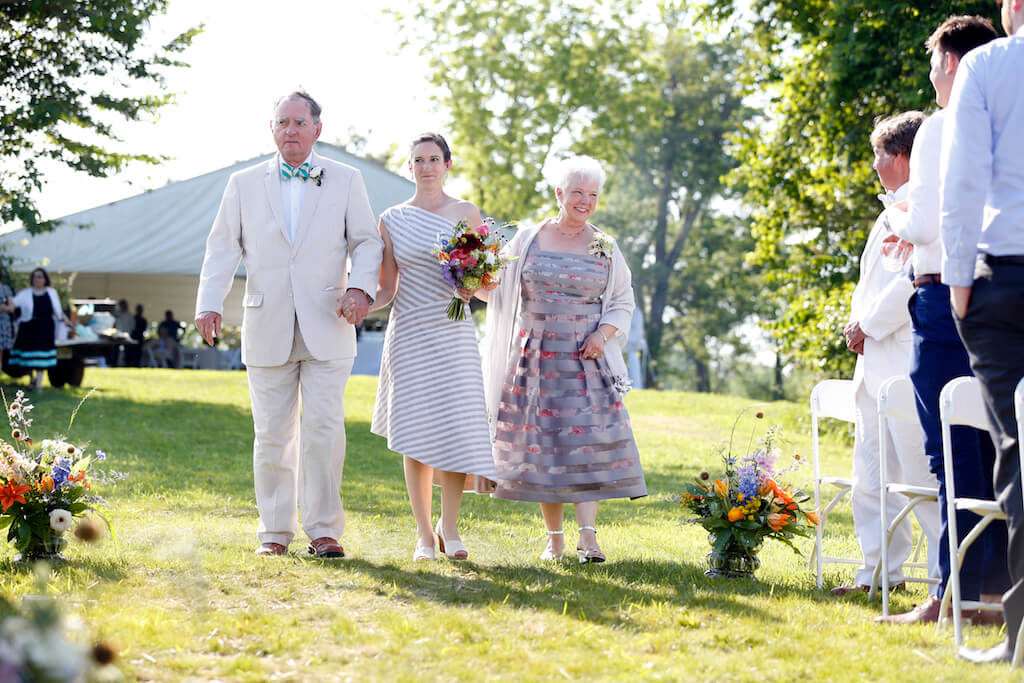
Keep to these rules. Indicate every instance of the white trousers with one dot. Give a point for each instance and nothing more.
(299, 464)
(907, 465)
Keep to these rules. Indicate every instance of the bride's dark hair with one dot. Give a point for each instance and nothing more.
(437, 139)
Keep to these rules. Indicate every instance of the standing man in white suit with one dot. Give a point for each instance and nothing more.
(297, 220)
(879, 332)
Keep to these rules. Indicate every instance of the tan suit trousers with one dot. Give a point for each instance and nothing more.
(298, 457)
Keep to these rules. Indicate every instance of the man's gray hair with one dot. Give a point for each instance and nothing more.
(314, 108)
(584, 167)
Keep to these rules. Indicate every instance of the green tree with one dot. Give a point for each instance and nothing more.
(520, 80)
(68, 70)
(827, 70)
(628, 84)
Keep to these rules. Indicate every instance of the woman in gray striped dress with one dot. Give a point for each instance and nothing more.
(555, 374)
(430, 396)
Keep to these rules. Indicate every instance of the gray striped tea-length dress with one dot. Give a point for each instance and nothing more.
(430, 396)
(563, 434)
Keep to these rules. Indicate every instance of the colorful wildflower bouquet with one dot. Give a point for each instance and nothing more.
(469, 259)
(44, 489)
(747, 505)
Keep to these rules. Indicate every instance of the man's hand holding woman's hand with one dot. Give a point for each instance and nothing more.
(354, 305)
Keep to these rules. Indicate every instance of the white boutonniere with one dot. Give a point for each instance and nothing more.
(601, 246)
(316, 174)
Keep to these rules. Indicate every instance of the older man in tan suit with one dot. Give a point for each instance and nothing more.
(297, 220)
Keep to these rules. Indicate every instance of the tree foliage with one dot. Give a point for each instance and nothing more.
(68, 70)
(631, 85)
(826, 70)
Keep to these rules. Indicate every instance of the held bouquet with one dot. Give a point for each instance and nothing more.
(749, 503)
(43, 489)
(469, 259)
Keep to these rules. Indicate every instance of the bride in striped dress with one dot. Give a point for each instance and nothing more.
(430, 397)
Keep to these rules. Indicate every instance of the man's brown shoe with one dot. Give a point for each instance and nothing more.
(271, 550)
(925, 613)
(326, 548)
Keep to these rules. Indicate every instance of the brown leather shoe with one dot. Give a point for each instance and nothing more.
(863, 588)
(271, 550)
(925, 613)
(326, 548)
(985, 617)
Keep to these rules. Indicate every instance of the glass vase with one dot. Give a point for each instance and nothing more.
(735, 561)
(43, 549)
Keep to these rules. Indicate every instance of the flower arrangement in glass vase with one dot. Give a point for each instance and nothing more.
(45, 488)
(470, 259)
(748, 504)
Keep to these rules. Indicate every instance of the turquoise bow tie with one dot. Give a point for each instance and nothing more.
(300, 172)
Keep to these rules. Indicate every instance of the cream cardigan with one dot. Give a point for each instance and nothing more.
(503, 305)
(23, 300)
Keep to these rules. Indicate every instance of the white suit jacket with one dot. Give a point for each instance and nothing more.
(880, 303)
(286, 281)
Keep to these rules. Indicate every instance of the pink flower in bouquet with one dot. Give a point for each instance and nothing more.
(483, 230)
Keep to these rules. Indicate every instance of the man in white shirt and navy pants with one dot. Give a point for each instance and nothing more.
(982, 227)
(939, 354)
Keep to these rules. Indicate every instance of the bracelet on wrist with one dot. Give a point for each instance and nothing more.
(603, 335)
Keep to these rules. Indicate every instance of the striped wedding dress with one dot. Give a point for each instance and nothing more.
(430, 396)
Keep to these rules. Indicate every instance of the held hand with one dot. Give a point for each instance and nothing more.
(354, 305)
(959, 298)
(855, 337)
(593, 346)
(896, 250)
(208, 324)
(465, 294)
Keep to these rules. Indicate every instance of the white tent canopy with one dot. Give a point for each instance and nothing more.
(149, 248)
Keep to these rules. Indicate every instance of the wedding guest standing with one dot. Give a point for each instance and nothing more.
(879, 333)
(430, 396)
(554, 371)
(982, 227)
(35, 346)
(938, 353)
(6, 319)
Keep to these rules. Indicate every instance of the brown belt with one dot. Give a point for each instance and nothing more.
(927, 279)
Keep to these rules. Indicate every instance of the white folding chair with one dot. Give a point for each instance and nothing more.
(1018, 404)
(830, 398)
(896, 402)
(960, 403)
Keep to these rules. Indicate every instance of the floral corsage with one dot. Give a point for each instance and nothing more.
(316, 174)
(601, 245)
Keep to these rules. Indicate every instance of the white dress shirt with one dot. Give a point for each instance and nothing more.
(920, 224)
(982, 165)
(292, 191)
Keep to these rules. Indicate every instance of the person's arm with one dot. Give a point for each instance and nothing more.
(223, 253)
(365, 250)
(966, 172)
(618, 308)
(387, 283)
(888, 312)
(917, 220)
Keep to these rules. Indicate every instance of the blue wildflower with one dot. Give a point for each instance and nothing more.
(61, 472)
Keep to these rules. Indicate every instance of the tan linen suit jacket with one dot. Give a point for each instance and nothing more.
(286, 281)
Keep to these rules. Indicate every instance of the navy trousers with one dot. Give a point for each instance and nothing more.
(939, 356)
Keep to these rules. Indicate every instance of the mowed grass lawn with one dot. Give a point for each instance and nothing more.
(184, 597)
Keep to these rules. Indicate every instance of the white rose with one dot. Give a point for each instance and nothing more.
(60, 520)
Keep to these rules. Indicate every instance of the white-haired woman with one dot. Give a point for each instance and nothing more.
(553, 366)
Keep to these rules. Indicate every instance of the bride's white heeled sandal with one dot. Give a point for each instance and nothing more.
(587, 555)
(549, 554)
(453, 549)
(423, 552)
